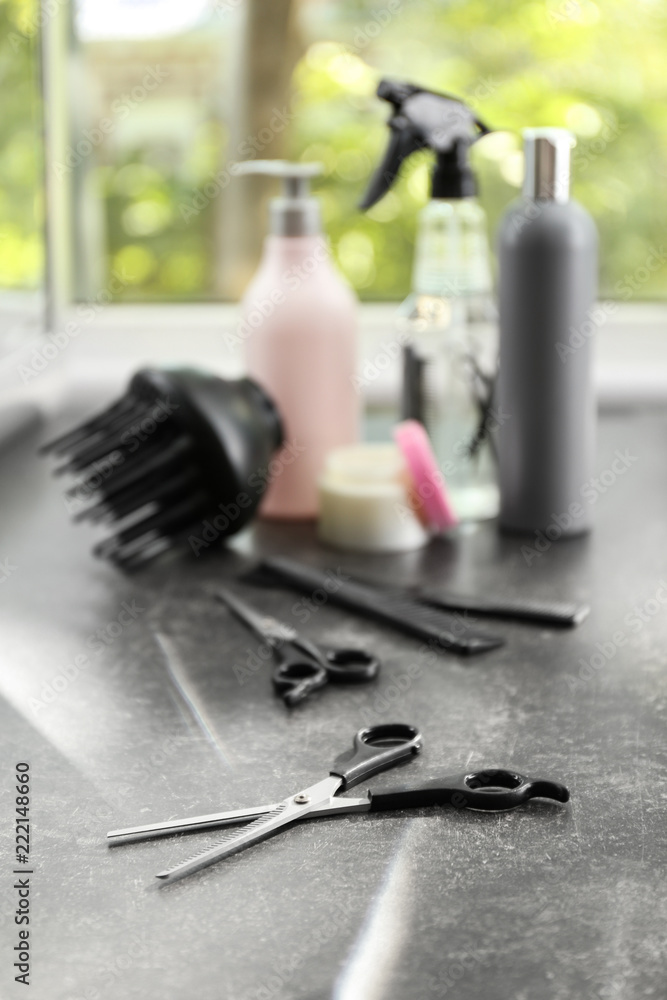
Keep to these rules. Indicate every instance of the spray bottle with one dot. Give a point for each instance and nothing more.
(447, 325)
(301, 324)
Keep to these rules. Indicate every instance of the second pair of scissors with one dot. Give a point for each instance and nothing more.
(301, 666)
(373, 750)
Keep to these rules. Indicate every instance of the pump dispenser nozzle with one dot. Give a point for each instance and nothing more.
(296, 213)
(424, 119)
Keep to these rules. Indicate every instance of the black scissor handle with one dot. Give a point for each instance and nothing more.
(374, 749)
(494, 789)
(349, 665)
(296, 676)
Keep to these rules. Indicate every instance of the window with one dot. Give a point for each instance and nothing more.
(21, 175)
(166, 95)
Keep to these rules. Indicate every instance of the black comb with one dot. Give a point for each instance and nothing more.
(529, 609)
(179, 451)
(391, 608)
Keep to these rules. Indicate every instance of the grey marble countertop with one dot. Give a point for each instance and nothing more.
(124, 723)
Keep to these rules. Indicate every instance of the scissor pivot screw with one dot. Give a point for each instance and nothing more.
(302, 800)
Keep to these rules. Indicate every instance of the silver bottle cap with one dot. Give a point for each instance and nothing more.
(547, 164)
(296, 213)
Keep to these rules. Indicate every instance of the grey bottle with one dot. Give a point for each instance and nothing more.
(547, 259)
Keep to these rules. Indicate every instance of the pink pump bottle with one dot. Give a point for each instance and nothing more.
(300, 323)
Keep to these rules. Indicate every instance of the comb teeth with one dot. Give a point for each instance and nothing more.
(135, 467)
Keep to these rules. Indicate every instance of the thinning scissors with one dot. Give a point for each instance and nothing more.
(301, 667)
(374, 749)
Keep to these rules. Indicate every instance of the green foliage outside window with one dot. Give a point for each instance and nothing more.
(21, 191)
(597, 69)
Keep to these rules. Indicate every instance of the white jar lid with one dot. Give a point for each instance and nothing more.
(366, 503)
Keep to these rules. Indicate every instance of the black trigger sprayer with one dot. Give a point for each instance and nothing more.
(424, 119)
(447, 325)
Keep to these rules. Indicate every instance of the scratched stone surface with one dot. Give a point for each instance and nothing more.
(543, 903)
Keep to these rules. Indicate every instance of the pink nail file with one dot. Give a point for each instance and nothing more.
(429, 482)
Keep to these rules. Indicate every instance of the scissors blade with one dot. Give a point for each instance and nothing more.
(333, 806)
(264, 626)
(188, 825)
(288, 811)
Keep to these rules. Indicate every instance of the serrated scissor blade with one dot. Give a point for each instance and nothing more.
(288, 811)
(331, 807)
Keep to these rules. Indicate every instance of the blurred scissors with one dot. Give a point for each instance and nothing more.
(300, 666)
(374, 749)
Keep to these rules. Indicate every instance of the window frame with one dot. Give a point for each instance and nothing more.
(632, 345)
